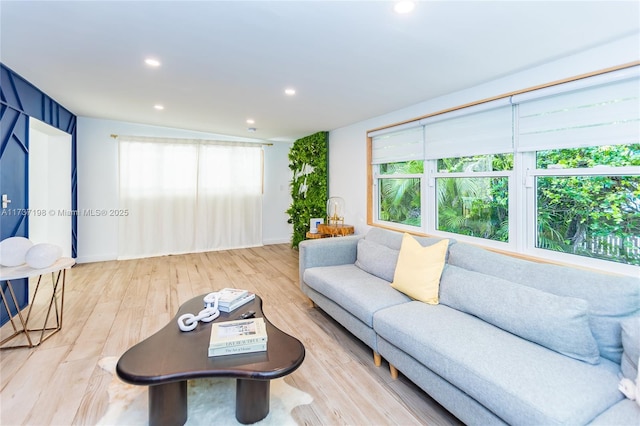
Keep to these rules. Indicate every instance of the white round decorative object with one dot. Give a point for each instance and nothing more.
(43, 255)
(13, 251)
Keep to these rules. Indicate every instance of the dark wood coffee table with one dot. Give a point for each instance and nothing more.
(167, 359)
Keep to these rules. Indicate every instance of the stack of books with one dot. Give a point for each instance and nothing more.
(230, 299)
(238, 337)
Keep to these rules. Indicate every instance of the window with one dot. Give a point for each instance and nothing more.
(397, 155)
(399, 192)
(185, 196)
(553, 172)
(470, 164)
(472, 195)
(587, 204)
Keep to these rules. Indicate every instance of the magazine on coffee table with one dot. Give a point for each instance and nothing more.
(248, 297)
(238, 336)
(226, 296)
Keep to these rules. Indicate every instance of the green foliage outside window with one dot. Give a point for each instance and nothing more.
(308, 161)
(474, 206)
(477, 207)
(594, 216)
(575, 158)
(591, 215)
(400, 197)
(477, 163)
(404, 167)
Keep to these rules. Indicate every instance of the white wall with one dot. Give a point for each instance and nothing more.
(50, 185)
(347, 145)
(97, 156)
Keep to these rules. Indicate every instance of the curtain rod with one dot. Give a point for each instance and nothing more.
(114, 136)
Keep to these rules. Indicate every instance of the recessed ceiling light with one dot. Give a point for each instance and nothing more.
(159, 107)
(250, 121)
(404, 6)
(290, 91)
(152, 62)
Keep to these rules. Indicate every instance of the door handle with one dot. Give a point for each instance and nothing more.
(5, 201)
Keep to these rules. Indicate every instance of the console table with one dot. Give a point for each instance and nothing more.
(19, 322)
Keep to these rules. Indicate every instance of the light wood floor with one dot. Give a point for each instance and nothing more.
(110, 306)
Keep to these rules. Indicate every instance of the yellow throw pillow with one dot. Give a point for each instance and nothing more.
(419, 269)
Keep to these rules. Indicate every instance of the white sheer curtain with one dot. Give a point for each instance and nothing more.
(185, 196)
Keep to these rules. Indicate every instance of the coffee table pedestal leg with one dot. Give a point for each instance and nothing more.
(168, 404)
(252, 400)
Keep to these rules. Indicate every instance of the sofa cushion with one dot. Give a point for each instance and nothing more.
(611, 298)
(631, 347)
(625, 412)
(377, 259)
(419, 268)
(393, 239)
(519, 381)
(558, 323)
(355, 290)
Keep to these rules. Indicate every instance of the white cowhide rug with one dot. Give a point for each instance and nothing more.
(210, 401)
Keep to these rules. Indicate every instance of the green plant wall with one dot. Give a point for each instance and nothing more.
(308, 159)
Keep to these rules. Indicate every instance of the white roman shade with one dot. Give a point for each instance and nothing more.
(398, 143)
(600, 110)
(481, 129)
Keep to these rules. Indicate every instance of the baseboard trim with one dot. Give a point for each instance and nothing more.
(109, 257)
(276, 241)
(96, 258)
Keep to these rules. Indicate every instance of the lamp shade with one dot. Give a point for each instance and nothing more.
(43, 255)
(13, 251)
(335, 210)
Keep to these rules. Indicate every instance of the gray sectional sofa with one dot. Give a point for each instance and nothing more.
(510, 342)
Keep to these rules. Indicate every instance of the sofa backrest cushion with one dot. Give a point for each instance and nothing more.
(555, 322)
(377, 259)
(630, 347)
(378, 251)
(385, 237)
(611, 298)
(393, 239)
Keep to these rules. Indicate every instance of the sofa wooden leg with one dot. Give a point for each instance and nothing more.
(377, 359)
(312, 303)
(393, 371)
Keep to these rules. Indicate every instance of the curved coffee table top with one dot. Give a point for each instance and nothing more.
(172, 355)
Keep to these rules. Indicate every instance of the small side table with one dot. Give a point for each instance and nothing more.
(56, 303)
(336, 230)
(315, 235)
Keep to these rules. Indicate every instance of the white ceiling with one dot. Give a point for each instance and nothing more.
(226, 61)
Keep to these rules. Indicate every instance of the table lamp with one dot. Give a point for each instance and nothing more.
(335, 211)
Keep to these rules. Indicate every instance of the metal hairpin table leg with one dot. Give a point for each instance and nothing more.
(56, 302)
(23, 323)
(52, 303)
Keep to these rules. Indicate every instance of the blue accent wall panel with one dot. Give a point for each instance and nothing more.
(14, 157)
(20, 100)
(8, 89)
